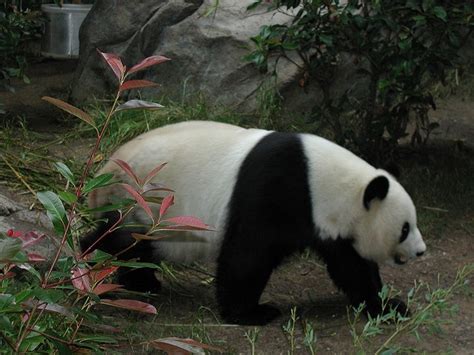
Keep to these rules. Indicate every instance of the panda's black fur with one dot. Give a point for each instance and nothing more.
(269, 218)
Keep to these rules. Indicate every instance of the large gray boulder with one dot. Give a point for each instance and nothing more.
(206, 48)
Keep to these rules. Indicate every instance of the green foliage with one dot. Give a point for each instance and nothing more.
(400, 48)
(427, 304)
(17, 28)
(289, 329)
(128, 124)
(54, 310)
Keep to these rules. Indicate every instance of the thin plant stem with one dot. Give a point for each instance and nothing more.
(81, 184)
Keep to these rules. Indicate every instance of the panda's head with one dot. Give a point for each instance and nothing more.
(386, 230)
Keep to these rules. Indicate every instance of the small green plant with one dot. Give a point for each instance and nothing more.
(427, 306)
(252, 337)
(310, 337)
(400, 49)
(55, 310)
(289, 330)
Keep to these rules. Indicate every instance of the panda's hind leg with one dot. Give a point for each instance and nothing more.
(116, 242)
(357, 277)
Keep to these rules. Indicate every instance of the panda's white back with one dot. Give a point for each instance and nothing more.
(337, 182)
(203, 161)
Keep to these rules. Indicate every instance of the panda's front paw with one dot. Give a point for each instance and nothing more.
(140, 280)
(258, 315)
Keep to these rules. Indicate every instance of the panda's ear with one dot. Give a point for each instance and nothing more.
(377, 188)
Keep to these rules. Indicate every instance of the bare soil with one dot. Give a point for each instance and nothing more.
(187, 305)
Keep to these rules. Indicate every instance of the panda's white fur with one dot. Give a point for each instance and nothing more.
(205, 162)
(341, 181)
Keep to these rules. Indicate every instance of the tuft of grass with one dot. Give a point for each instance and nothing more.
(289, 330)
(27, 157)
(380, 334)
(129, 124)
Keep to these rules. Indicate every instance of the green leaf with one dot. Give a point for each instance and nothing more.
(30, 343)
(136, 264)
(405, 44)
(383, 84)
(100, 256)
(419, 19)
(326, 39)
(254, 5)
(97, 339)
(440, 12)
(55, 210)
(6, 324)
(60, 347)
(291, 46)
(64, 171)
(67, 197)
(454, 39)
(9, 248)
(49, 295)
(23, 295)
(97, 182)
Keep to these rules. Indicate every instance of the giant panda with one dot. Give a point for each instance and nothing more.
(267, 195)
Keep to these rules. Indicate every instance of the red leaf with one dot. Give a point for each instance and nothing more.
(154, 186)
(148, 62)
(131, 305)
(135, 104)
(155, 171)
(187, 221)
(138, 236)
(25, 317)
(198, 344)
(168, 201)
(14, 234)
(114, 62)
(35, 257)
(98, 276)
(140, 200)
(70, 109)
(8, 275)
(49, 307)
(127, 169)
(174, 345)
(31, 238)
(103, 288)
(81, 280)
(136, 84)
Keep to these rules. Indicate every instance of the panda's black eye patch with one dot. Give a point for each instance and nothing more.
(405, 231)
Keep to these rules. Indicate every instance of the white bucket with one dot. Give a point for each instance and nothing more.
(61, 35)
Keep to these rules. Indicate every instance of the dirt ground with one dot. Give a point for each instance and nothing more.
(187, 306)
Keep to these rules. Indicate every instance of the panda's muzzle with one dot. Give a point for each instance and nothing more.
(399, 260)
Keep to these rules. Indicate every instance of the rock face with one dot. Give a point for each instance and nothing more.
(14, 215)
(206, 48)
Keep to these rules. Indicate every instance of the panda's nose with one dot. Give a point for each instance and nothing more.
(420, 253)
